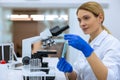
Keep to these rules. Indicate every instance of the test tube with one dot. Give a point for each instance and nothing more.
(64, 49)
(2, 61)
(2, 52)
(35, 63)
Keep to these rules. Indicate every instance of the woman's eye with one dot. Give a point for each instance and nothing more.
(79, 20)
(86, 17)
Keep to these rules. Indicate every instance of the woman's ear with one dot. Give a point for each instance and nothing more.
(100, 16)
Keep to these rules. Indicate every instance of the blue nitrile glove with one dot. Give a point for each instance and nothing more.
(78, 43)
(64, 66)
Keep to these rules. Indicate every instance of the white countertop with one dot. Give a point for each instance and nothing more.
(17, 74)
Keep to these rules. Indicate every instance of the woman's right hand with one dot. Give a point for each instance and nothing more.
(64, 66)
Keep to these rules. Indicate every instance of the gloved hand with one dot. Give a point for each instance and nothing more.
(64, 66)
(78, 43)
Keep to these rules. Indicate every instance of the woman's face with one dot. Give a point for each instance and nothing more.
(88, 22)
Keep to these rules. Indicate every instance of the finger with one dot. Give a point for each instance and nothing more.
(71, 43)
(68, 35)
(60, 63)
(64, 67)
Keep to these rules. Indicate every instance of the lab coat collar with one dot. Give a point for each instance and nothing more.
(97, 41)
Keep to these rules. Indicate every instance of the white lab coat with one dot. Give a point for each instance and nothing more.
(107, 48)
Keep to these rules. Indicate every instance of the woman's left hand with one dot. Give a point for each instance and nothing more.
(78, 43)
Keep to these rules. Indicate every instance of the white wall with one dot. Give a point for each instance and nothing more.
(111, 22)
(43, 3)
(112, 18)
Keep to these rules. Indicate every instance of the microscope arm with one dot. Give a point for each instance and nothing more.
(27, 43)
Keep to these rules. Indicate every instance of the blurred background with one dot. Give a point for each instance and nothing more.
(27, 18)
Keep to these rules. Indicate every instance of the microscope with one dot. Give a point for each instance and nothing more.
(34, 68)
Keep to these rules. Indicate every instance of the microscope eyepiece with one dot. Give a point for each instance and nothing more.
(57, 30)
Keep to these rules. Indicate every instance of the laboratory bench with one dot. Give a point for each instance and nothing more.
(9, 73)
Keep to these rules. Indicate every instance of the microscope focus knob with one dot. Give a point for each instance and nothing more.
(26, 60)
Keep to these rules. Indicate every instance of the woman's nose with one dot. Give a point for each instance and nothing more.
(82, 23)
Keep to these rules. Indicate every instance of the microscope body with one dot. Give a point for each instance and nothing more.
(34, 67)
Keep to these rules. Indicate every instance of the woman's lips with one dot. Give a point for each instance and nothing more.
(84, 29)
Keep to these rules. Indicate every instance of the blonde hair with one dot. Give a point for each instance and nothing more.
(95, 8)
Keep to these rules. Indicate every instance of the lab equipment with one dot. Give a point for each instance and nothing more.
(46, 37)
(74, 41)
(34, 67)
(7, 53)
(64, 66)
(2, 61)
(64, 49)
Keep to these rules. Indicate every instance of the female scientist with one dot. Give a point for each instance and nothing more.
(101, 60)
